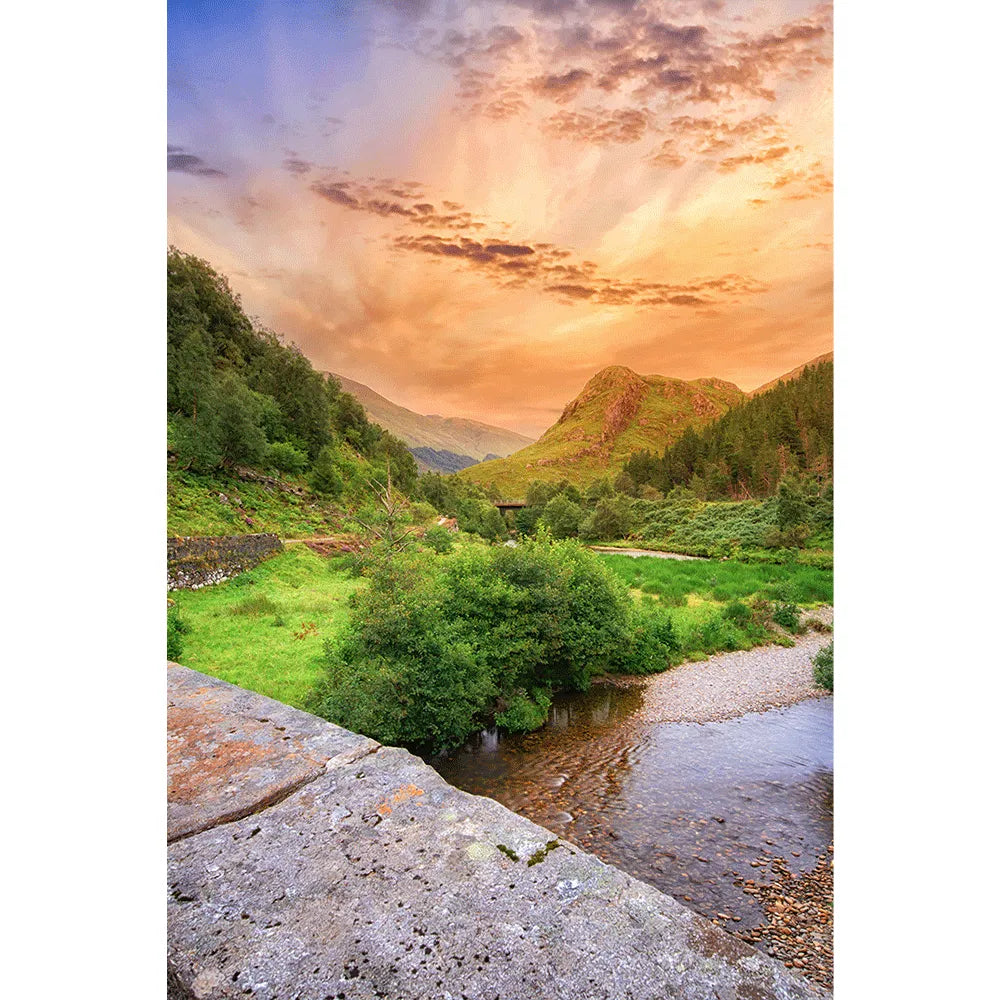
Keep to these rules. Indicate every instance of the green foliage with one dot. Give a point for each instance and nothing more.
(561, 516)
(823, 667)
(786, 614)
(439, 539)
(753, 447)
(283, 456)
(326, 477)
(431, 645)
(523, 712)
(177, 628)
(238, 395)
(611, 519)
(738, 613)
(653, 641)
(405, 672)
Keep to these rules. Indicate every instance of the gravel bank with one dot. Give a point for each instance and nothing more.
(607, 550)
(728, 685)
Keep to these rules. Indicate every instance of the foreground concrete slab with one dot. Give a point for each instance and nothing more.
(353, 870)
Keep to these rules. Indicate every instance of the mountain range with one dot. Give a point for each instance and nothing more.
(439, 444)
(617, 413)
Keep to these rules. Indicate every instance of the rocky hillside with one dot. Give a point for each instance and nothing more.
(443, 444)
(617, 413)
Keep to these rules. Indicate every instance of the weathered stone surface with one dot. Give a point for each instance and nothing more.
(376, 878)
(201, 561)
(231, 752)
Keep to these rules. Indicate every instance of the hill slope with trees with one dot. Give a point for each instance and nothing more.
(239, 398)
(747, 452)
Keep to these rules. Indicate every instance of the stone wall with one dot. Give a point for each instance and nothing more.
(307, 861)
(200, 561)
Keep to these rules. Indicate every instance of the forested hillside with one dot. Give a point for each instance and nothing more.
(238, 396)
(746, 452)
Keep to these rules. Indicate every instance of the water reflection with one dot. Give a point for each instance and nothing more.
(684, 807)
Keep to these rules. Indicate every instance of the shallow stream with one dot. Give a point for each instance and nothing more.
(682, 806)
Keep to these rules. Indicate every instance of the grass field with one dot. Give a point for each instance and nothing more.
(672, 580)
(697, 594)
(264, 630)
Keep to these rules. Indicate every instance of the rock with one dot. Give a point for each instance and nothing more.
(367, 874)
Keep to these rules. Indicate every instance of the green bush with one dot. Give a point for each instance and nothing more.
(285, 457)
(405, 672)
(786, 614)
(611, 519)
(326, 477)
(432, 644)
(653, 641)
(823, 667)
(176, 628)
(524, 713)
(439, 539)
(561, 516)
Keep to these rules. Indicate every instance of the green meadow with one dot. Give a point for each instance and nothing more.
(264, 629)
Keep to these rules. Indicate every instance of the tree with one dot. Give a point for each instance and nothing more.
(611, 519)
(238, 413)
(561, 516)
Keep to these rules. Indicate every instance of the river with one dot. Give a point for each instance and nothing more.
(689, 808)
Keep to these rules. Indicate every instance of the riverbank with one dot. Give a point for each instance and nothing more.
(729, 685)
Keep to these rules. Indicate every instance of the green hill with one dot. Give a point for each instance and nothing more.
(453, 438)
(617, 413)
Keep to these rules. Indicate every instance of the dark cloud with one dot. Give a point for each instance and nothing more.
(187, 163)
(393, 199)
(550, 268)
(561, 87)
(296, 166)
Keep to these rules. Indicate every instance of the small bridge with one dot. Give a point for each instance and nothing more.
(510, 505)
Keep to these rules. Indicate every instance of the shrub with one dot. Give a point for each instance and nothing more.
(176, 628)
(653, 641)
(285, 457)
(611, 519)
(326, 477)
(786, 614)
(439, 539)
(524, 713)
(823, 667)
(561, 516)
(405, 672)
(431, 643)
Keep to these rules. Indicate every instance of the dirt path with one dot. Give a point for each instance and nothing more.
(731, 684)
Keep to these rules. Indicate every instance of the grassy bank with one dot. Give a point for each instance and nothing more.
(222, 504)
(673, 581)
(264, 630)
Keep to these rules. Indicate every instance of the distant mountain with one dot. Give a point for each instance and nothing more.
(617, 413)
(794, 373)
(441, 444)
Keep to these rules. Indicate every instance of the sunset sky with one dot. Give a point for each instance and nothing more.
(474, 206)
